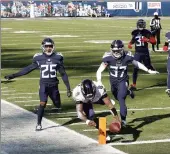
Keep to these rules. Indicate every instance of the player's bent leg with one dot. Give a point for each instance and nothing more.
(122, 93)
(135, 76)
(88, 109)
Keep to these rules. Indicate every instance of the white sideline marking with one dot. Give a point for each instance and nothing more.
(141, 142)
(84, 138)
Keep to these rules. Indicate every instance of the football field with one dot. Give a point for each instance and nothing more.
(83, 43)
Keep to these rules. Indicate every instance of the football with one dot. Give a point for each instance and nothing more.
(115, 127)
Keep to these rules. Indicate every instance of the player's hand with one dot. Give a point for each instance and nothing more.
(130, 46)
(168, 92)
(69, 93)
(90, 123)
(152, 40)
(165, 48)
(152, 72)
(144, 39)
(9, 77)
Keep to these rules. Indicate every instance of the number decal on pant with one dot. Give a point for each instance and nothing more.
(116, 69)
(48, 71)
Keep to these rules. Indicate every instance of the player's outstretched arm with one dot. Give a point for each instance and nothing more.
(80, 113)
(110, 104)
(24, 71)
(142, 67)
(65, 80)
(99, 72)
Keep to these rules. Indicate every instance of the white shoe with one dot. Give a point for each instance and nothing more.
(38, 127)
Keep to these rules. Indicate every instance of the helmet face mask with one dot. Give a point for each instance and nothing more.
(88, 89)
(117, 49)
(141, 24)
(48, 46)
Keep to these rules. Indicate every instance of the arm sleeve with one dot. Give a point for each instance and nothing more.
(139, 65)
(100, 70)
(64, 76)
(26, 70)
(133, 40)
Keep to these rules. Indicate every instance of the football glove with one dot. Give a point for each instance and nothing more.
(152, 72)
(168, 92)
(130, 45)
(152, 40)
(69, 93)
(9, 77)
(165, 48)
(90, 123)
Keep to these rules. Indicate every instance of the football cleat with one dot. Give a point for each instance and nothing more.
(131, 94)
(123, 124)
(168, 92)
(38, 127)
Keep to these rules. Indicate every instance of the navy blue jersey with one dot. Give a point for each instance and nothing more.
(48, 65)
(118, 68)
(137, 35)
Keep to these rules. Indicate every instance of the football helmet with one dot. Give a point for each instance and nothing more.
(117, 49)
(88, 89)
(141, 24)
(48, 46)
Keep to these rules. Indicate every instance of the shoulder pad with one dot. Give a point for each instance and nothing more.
(134, 32)
(37, 54)
(59, 53)
(107, 54)
(129, 53)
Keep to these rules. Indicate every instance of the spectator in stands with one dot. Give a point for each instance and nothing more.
(156, 27)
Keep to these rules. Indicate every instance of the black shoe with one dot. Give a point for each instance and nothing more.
(132, 87)
(131, 94)
(38, 127)
(123, 124)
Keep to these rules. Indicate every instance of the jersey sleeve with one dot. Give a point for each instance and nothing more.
(130, 56)
(101, 89)
(105, 57)
(77, 96)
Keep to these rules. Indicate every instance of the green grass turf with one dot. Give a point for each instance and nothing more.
(82, 59)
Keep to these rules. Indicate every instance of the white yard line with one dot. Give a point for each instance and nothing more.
(19, 97)
(142, 142)
(18, 135)
(7, 91)
(101, 111)
(35, 104)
